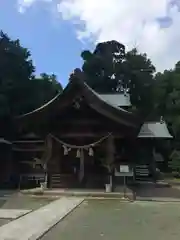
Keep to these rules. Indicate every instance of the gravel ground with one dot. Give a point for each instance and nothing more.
(112, 219)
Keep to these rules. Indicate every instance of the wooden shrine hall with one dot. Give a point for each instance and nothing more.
(81, 137)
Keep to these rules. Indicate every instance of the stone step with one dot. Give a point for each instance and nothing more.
(142, 173)
(56, 178)
(144, 179)
(86, 193)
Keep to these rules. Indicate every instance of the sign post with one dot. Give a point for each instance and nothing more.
(124, 169)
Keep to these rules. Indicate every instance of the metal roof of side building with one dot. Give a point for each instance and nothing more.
(154, 130)
(4, 141)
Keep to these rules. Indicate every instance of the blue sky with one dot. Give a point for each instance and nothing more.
(56, 31)
(53, 43)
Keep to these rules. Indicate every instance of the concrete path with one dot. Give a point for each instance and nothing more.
(35, 224)
(12, 213)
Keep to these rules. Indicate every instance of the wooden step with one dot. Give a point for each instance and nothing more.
(63, 181)
(142, 173)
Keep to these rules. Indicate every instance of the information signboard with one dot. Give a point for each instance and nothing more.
(124, 168)
(124, 171)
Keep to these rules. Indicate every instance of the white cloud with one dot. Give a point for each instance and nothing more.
(132, 22)
(24, 4)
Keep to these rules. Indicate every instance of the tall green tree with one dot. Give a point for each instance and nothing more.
(102, 66)
(20, 90)
(139, 71)
(42, 90)
(16, 69)
(167, 97)
(111, 69)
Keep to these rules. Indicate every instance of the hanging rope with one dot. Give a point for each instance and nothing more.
(48, 149)
(80, 147)
(46, 154)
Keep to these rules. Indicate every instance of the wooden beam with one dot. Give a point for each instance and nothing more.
(79, 122)
(28, 141)
(28, 150)
(85, 134)
(79, 135)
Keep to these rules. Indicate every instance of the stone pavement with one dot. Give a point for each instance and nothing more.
(12, 213)
(114, 220)
(33, 225)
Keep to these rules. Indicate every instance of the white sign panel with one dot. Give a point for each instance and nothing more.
(124, 168)
(123, 174)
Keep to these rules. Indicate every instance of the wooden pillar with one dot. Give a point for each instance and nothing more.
(152, 161)
(10, 164)
(110, 156)
(153, 164)
(81, 169)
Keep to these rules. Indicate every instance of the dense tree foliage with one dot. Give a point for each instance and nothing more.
(39, 91)
(111, 69)
(167, 97)
(140, 80)
(20, 90)
(103, 67)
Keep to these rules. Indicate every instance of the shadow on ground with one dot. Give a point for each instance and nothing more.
(153, 191)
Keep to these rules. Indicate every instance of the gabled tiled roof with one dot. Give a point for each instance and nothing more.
(99, 102)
